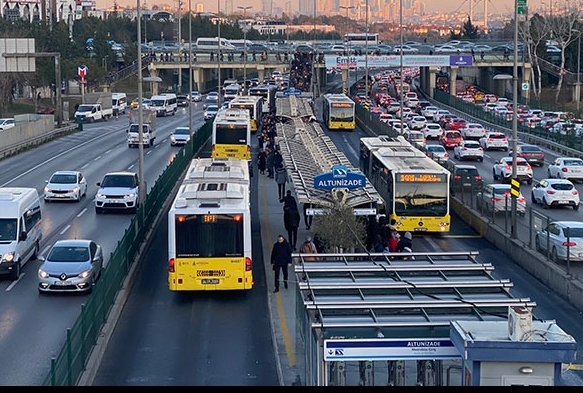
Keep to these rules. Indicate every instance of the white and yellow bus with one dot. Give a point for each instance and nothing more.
(209, 228)
(338, 112)
(231, 135)
(414, 187)
(254, 104)
(268, 92)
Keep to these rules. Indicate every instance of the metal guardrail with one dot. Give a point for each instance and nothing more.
(15, 148)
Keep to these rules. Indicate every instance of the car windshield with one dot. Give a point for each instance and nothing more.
(182, 131)
(562, 186)
(63, 179)
(118, 181)
(68, 254)
(501, 190)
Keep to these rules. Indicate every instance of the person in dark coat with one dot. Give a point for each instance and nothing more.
(289, 200)
(405, 243)
(277, 159)
(269, 163)
(280, 259)
(261, 162)
(291, 222)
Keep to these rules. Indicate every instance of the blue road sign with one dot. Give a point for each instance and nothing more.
(461, 60)
(292, 91)
(340, 177)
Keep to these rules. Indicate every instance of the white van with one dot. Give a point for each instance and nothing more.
(164, 104)
(20, 228)
(119, 103)
(212, 43)
(232, 91)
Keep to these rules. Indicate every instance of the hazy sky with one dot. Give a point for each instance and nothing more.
(494, 6)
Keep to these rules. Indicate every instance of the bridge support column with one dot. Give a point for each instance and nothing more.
(432, 72)
(260, 72)
(154, 85)
(197, 78)
(452, 79)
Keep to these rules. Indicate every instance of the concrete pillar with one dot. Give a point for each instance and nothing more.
(345, 80)
(154, 85)
(452, 79)
(260, 72)
(197, 78)
(432, 72)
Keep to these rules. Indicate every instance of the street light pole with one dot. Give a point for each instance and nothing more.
(366, 49)
(514, 196)
(142, 185)
(345, 81)
(219, 54)
(578, 71)
(245, 29)
(190, 73)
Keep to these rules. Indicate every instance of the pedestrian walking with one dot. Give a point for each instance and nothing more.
(269, 162)
(280, 259)
(482, 56)
(261, 162)
(308, 247)
(289, 200)
(281, 179)
(405, 243)
(291, 222)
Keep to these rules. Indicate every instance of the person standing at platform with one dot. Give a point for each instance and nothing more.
(281, 180)
(291, 222)
(281, 258)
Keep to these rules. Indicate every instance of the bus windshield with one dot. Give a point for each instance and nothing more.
(341, 112)
(196, 235)
(427, 199)
(231, 134)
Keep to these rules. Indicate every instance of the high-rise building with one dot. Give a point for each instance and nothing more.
(229, 7)
(199, 8)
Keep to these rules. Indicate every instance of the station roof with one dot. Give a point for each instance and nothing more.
(356, 295)
(307, 152)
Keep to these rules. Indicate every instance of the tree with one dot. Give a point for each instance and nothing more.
(339, 229)
(469, 31)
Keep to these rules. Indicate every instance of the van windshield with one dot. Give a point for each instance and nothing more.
(7, 229)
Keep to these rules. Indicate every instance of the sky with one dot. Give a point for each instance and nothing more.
(494, 6)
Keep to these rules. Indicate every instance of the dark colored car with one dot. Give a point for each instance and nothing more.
(531, 153)
(464, 177)
(182, 101)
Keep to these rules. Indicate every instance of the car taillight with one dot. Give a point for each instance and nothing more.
(564, 169)
(569, 244)
(457, 177)
(522, 200)
(575, 192)
(171, 266)
(477, 177)
(508, 166)
(550, 192)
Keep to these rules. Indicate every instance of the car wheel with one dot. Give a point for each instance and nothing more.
(576, 207)
(494, 174)
(98, 210)
(544, 203)
(481, 159)
(549, 172)
(529, 182)
(537, 244)
(532, 198)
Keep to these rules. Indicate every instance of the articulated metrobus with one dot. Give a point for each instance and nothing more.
(414, 187)
(268, 93)
(338, 112)
(209, 228)
(231, 135)
(361, 39)
(254, 104)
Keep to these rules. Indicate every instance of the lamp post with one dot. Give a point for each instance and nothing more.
(345, 80)
(142, 185)
(578, 84)
(219, 54)
(190, 73)
(366, 49)
(245, 30)
(514, 195)
(401, 62)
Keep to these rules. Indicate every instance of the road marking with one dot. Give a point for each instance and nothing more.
(462, 236)
(13, 283)
(65, 229)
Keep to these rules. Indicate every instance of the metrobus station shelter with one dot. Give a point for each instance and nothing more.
(440, 319)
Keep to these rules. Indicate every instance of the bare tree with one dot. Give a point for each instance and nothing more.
(560, 28)
(339, 229)
(533, 33)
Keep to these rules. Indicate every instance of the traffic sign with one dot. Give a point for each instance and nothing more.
(292, 91)
(82, 71)
(525, 86)
(522, 7)
(515, 188)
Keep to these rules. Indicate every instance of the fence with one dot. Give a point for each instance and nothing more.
(69, 364)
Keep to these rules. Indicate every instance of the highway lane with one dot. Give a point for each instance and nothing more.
(32, 326)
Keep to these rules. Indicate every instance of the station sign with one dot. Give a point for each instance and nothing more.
(336, 61)
(82, 71)
(340, 177)
(389, 349)
(292, 91)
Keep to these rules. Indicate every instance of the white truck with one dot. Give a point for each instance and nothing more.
(95, 107)
(148, 127)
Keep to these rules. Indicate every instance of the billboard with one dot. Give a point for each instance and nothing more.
(14, 55)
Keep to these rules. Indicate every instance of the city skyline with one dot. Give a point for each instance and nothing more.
(444, 6)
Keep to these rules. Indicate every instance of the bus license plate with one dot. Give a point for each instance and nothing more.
(210, 280)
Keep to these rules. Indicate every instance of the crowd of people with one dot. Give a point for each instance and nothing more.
(383, 237)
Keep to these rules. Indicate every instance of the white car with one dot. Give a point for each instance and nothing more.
(432, 131)
(437, 153)
(503, 170)
(468, 150)
(412, 102)
(117, 191)
(65, 186)
(473, 131)
(496, 198)
(429, 111)
(489, 107)
(555, 192)
(494, 140)
(558, 237)
(385, 117)
(6, 123)
(445, 48)
(414, 137)
(399, 127)
(417, 122)
(195, 96)
(210, 111)
(566, 168)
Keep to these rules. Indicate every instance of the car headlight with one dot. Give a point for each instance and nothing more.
(43, 274)
(173, 138)
(130, 195)
(47, 189)
(99, 196)
(8, 257)
(85, 274)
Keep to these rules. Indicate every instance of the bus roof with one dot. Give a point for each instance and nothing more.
(204, 197)
(338, 97)
(220, 169)
(232, 115)
(407, 160)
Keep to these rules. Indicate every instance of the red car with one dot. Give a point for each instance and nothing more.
(450, 139)
(456, 124)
